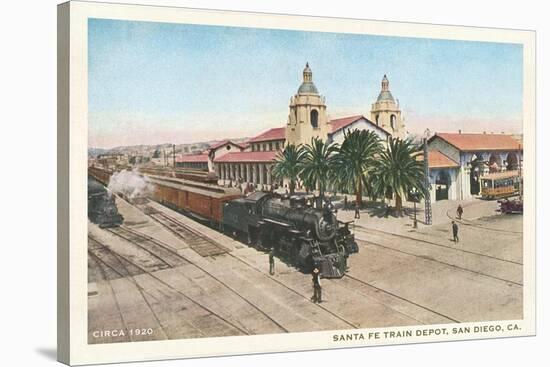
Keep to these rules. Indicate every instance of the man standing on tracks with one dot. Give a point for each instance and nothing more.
(455, 231)
(272, 261)
(316, 286)
(459, 211)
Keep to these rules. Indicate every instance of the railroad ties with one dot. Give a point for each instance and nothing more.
(198, 242)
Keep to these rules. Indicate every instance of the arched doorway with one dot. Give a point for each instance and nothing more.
(475, 171)
(442, 185)
(494, 163)
(512, 162)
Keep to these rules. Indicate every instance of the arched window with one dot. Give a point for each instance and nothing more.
(392, 121)
(377, 116)
(314, 118)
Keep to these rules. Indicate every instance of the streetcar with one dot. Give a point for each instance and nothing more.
(500, 184)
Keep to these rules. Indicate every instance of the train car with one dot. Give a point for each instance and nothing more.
(305, 235)
(204, 202)
(311, 237)
(183, 173)
(102, 209)
(500, 184)
(101, 174)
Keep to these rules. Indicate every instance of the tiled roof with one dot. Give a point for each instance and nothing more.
(223, 142)
(338, 124)
(242, 157)
(276, 133)
(479, 142)
(193, 158)
(436, 159)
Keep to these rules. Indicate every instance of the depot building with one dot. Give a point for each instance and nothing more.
(252, 162)
(456, 161)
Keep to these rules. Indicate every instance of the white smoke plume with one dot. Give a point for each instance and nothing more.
(130, 184)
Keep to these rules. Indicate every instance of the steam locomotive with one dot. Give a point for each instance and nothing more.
(307, 235)
(310, 237)
(102, 209)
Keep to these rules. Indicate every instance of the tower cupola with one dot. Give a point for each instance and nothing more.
(307, 86)
(307, 116)
(385, 112)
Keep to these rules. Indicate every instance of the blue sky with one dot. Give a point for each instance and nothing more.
(155, 83)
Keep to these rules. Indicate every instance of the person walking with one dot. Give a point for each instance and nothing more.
(272, 261)
(455, 232)
(316, 286)
(345, 202)
(357, 213)
(459, 211)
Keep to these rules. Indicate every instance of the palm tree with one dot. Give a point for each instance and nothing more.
(398, 171)
(317, 165)
(289, 164)
(354, 161)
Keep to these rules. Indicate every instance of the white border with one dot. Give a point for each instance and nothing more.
(82, 353)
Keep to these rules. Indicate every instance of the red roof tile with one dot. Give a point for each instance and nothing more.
(193, 158)
(242, 157)
(338, 124)
(436, 159)
(276, 133)
(478, 142)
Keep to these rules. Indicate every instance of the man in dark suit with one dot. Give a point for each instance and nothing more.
(316, 286)
(272, 261)
(455, 232)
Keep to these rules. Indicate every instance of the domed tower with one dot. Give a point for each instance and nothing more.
(385, 112)
(308, 117)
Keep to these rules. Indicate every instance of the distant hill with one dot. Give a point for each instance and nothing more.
(149, 150)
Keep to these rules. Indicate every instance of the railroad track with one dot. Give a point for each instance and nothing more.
(401, 298)
(443, 263)
(471, 223)
(127, 275)
(179, 228)
(367, 230)
(138, 238)
(198, 242)
(151, 211)
(351, 324)
(186, 296)
(149, 244)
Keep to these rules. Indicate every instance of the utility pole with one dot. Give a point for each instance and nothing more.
(427, 199)
(174, 154)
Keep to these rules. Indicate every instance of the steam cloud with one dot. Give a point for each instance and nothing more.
(130, 184)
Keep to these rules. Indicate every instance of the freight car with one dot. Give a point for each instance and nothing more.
(310, 237)
(184, 173)
(100, 174)
(202, 201)
(102, 209)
